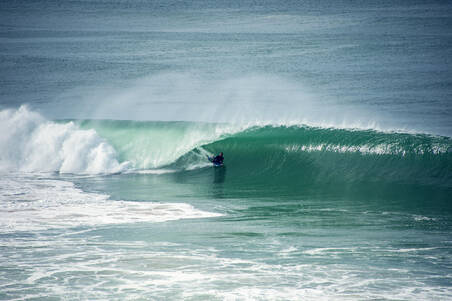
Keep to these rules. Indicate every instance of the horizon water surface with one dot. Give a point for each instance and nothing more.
(334, 118)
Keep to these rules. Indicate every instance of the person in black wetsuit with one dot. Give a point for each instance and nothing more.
(218, 159)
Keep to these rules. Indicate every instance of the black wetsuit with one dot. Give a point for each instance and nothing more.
(218, 159)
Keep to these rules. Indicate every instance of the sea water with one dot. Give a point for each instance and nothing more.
(334, 118)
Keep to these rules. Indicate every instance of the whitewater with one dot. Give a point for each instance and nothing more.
(334, 119)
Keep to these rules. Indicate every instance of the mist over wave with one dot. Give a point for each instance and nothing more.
(243, 99)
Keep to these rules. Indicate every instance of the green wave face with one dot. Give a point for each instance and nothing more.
(360, 168)
(325, 155)
(366, 168)
(280, 156)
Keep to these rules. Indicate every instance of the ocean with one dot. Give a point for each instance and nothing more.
(334, 117)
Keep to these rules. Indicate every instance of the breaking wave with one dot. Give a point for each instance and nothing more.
(32, 143)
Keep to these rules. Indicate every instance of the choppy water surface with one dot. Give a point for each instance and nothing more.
(334, 118)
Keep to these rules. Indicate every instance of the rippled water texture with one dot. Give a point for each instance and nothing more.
(335, 122)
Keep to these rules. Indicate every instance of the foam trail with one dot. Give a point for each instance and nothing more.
(31, 143)
(30, 204)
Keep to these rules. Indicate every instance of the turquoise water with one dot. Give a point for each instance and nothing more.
(334, 118)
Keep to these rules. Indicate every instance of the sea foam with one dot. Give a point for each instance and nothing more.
(29, 142)
(28, 203)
